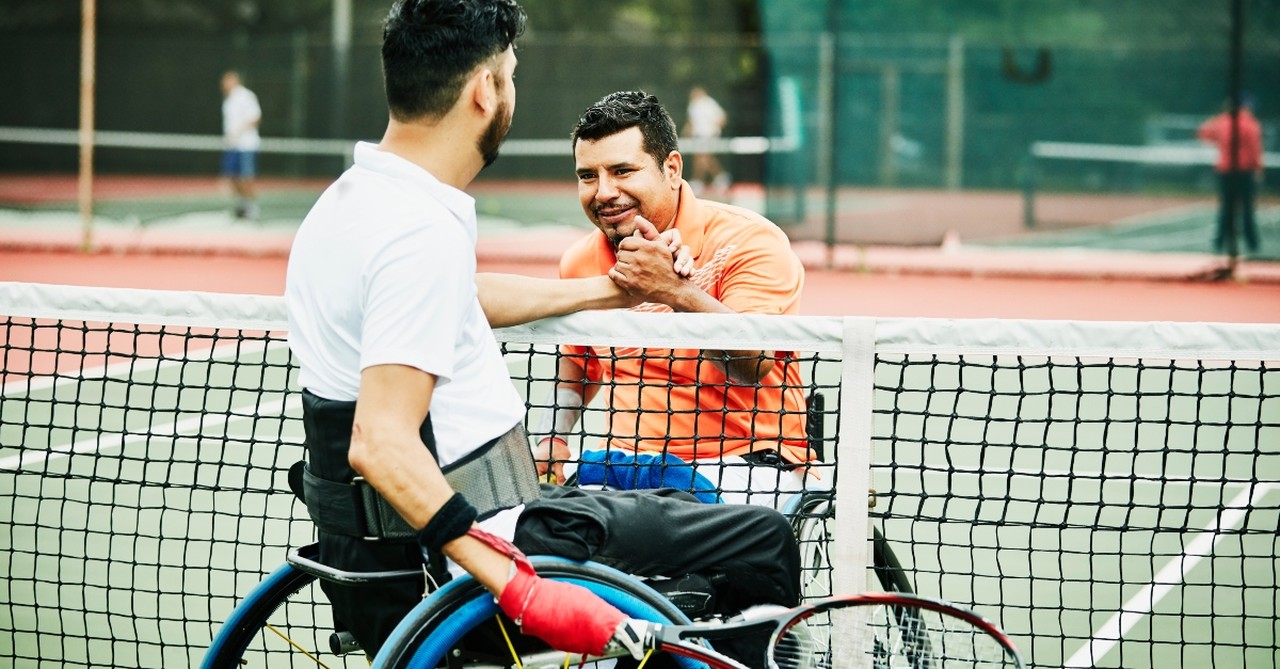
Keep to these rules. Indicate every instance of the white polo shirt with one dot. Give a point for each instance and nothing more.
(382, 271)
(240, 115)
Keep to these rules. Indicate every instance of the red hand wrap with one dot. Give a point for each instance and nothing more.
(568, 617)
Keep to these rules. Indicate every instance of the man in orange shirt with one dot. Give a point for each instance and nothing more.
(737, 416)
(1236, 178)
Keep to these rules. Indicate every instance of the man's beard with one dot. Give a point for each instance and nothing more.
(491, 140)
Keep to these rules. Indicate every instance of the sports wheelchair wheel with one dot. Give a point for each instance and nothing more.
(810, 518)
(460, 625)
(286, 621)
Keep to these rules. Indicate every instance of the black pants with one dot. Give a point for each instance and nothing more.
(1240, 187)
(749, 551)
(669, 533)
(646, 533)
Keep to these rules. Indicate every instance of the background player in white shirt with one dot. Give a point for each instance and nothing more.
(241, 115)
(707, 119)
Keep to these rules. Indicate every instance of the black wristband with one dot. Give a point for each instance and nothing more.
(450, 522)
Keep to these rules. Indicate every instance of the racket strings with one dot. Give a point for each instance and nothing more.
(887, 637)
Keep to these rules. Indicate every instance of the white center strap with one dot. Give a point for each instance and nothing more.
(850, 534)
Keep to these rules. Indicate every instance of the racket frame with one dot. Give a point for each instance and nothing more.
(677, 639)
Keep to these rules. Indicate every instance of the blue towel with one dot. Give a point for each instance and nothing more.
(643, 471)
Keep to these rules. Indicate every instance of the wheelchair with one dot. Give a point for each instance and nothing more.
(284, 620)
(456, 625)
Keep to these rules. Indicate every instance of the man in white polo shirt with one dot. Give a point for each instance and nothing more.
(240, 118)
(407, 400)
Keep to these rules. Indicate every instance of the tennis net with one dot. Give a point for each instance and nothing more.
(1105, 491)
(146, 177)
(1159, 190)
(163, 190)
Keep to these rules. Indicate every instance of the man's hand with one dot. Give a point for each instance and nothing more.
(683, 257)
(569, 617)
(647, 269)
(683, 264)
(549, 455)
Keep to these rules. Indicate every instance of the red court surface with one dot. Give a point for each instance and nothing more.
(827, 292)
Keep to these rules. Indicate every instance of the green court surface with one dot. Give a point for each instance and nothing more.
(153, 509)
(1121, 505)
(1188, 229)
(280, 206)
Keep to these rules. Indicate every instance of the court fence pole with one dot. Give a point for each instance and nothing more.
(1233, 207)
(955, 113)
(1027, 179)
(88, 45)
(826, 156)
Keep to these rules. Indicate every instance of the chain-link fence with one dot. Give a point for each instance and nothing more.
(847, 105)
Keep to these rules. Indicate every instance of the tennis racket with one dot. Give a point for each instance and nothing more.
(880, 630)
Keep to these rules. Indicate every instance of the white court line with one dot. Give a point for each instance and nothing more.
(42, 382)
(1157, 479)
(1152, 226)
(123, 369)
(1163, 217)
(1171, 576)
(187, 427)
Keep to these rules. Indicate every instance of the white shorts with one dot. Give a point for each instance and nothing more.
(742, 482)
(502, 523)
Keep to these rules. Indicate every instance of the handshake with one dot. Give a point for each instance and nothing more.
(652, 266)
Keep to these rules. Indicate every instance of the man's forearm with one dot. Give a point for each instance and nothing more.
(512, 299)
(746, 367)
(564, 412)
(488, 566)
(738, 366)
(401, 469)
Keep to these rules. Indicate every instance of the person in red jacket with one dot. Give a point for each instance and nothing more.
(1238, 176)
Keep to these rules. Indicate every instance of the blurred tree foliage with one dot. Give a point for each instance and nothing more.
(177, 15)
(634, 17)
(1061, 21)
(1041, 21)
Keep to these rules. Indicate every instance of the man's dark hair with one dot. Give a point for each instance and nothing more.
(619, 111)
(429, 47)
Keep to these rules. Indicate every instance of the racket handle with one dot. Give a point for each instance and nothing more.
(634, 637)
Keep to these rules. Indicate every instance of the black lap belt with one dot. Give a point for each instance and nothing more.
(771, 458)
(499, 475)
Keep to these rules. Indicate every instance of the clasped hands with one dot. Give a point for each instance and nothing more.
(650, 265)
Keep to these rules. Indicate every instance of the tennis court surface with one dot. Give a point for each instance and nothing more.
(1107, 492)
